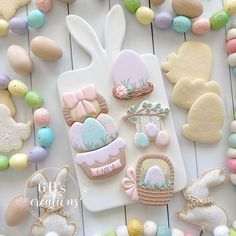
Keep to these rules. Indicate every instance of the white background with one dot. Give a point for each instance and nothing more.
(197, 157)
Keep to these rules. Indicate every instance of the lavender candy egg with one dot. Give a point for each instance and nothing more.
(163, 20)
(18, 25)
(4, 81)
(38, 154)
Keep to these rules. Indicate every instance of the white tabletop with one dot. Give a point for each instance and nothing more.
(197, 157)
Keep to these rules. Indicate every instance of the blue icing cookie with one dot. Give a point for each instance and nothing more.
(141, 140)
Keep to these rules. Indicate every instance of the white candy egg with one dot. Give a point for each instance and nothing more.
(51, 234)
(233, 126)
(177, 232)
(149, 228)
(221, 230)
(231, 153)
(233, 180)
(122, 231)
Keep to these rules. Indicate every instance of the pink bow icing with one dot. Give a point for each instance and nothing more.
(80, 100)
(129, 183)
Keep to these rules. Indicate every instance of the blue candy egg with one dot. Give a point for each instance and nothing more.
(38, 154)
(45, 137)
(164, 230)
(141, 140)
(4, 81)
(36, 19)
(234, 71)
(181, 24)
(163, 20)
(232, 141)
(18, 25)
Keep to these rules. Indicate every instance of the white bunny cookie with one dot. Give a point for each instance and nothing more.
(54, 218)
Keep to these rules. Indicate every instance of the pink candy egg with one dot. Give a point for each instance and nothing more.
(231, 164)
(44, 5)
(163, 138)
(41, 117)
(188, 234)
(231, 46)
(201, 26)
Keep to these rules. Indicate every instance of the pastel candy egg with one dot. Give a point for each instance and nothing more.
(219, 20)
(232, 232)
(232, 141)
(135, 228)
(231, 153)
(44, 5)
(231, 164)
(231, 46)
(177, 232)
(19, 161)
(33, 99)
(234, 71)
(188, 234)
(141, 140)
(151, 130)
(20, 60)
(51, 234)
(232, 59)
(233, 126)
(149, 228)
(231, 34)
(45, 137)
(42, 117)
(162, 139)
(122, 231)
(230, 7)
(201, 26)
(18, 25)
(36, 19)
(181, 24)
(145, 15)
(132, 5)
(38, 154)
(17, 88)
(163, 20)
(221, 230)
(163, 230)
(4, 81)
(157, 2)
(17, 210)
(4, 162)
(4, 28)
(112, 233)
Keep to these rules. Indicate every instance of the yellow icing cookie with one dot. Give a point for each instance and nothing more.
(5, 98)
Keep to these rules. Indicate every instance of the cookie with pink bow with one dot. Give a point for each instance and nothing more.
(83, 103)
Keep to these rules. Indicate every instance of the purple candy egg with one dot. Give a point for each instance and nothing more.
(37, 154)
(163, 20)
(4, 81)
(18, 25)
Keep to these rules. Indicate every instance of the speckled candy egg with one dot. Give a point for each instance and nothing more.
(33, 99)
(181, 24)
(4, 28)
(42, 117)
(232, 59)
(17, 88)
(135, 228)
(231, 164)
(38, 154)
(201, 26)
(219, 20)
(18, 25)
(132, 5)
(4, 162)
(45, 137)
(177, 232)
(163, 230)
(230, 7)
(122, 231)
(231, 34)
(151, 130)
(221, 230)
(149, 228)
(163, 20)
(232, 141)
(231, 46)
(44, 5)
(145, 15)
(4, 81)
(231, 153)
(36, 19)
(19, 161)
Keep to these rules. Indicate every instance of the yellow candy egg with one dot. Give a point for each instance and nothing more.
(4, 28)
(19, 161)
(135, 228)
(230, 7)
(145, 15)
(17, 88)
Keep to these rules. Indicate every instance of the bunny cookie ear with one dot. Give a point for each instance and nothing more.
(84, 35)
(62, 176)
(115, 29)
(36, 179)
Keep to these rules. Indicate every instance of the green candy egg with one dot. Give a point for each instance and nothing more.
(232, 232)
(132, 5)
(33, 99)
(219, 20)
(112, 233)
(4, 162)
(232, 141)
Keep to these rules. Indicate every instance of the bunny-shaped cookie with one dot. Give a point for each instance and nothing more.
(54, 218)
(99, 73)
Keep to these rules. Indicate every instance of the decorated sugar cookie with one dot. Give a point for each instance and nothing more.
(147, 118)
(101, 152)
(193, 60)
(5, 98)
(82, 104)
(201, 210)
(130, 76)
(187, 91)
(205, 119)
(12, 134)
(152, 182)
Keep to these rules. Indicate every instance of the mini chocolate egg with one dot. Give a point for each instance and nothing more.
(41, 117)
(231, 153)
(231, 164)
(33, 99)
(122, 231)
(181, 24)
(45, 137)
(17, 88)
(232, 59)
(38, 154)
(201, 26)
(132, 5)
(219, 20)
(44, 5)
(231, 46)
(157, 2)
(4, 162)
(151, 130)
(149, 228)
(163, 230)
(231, 34)
(163, 20)
(18, 161)
(46, 48)
(18, 25)
(4, 28)
(36, 19)
(135, 228)
(4, 81)
(20, 60)
(17, 211)
(145, 15)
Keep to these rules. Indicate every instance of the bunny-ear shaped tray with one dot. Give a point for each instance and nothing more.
(100, 194)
